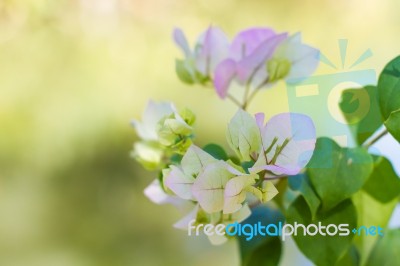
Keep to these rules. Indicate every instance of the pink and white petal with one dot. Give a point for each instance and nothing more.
(223, 76)
(259, 164)
(180, 40)
(208, 188)
(234, 193)
(250, 64)
(247, 41)
(214, 47)
(304, 59)
(240, 215)
(279, 171)
(260, 117)
(260, 78)
(152, 114)
(156, 194)
(179, 183)
(142, 131)
(183, 223)
(195, 159)
(304, 66)
(299, 129)
(219, 46)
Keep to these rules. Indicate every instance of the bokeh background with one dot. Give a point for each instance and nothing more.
(73, 73)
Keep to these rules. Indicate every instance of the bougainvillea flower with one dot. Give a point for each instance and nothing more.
(248, 54)
(180, 179)
(162, 130)
(176, 130)
(288, 142)
(214, 184)
(292, 60)
(199, 63)
(148, 150)
(153, 113)
(243, 135)
(208, 188)
(221, 187)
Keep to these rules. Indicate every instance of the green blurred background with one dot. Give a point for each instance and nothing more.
(72, 76)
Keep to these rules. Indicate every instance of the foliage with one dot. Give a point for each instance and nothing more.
(326, 183)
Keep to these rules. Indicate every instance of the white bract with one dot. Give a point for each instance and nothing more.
(153, 113)
(181, 179)
(210, 49)
(243, 135)
(163, 131)
(288, 142)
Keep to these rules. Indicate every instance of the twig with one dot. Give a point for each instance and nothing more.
(374, 140)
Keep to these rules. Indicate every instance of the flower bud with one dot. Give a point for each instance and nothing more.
(278, 68)
(175, 131)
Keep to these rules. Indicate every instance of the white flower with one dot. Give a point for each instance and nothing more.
(154, 112)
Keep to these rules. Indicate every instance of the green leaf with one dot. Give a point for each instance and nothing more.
(389, 88)
(176, 159)
(301, 183)
(393, 124)
(361, 109)
(247, 165)
(351, 258)
(323, 250)
(386, 250)
(370, 213)
(216, 151)
(383, 184)
(337, 173)
(267, 254)
(261, 250)
(182, 72)
(243, 135)
(389, 96)
(279, 199)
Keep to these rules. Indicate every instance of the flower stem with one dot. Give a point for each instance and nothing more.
(234, 100)
(375, 139)
(253, 94)
(246, 96)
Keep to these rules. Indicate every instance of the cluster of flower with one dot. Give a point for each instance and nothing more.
(257, 57)
(165, 132)
(218, 189)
